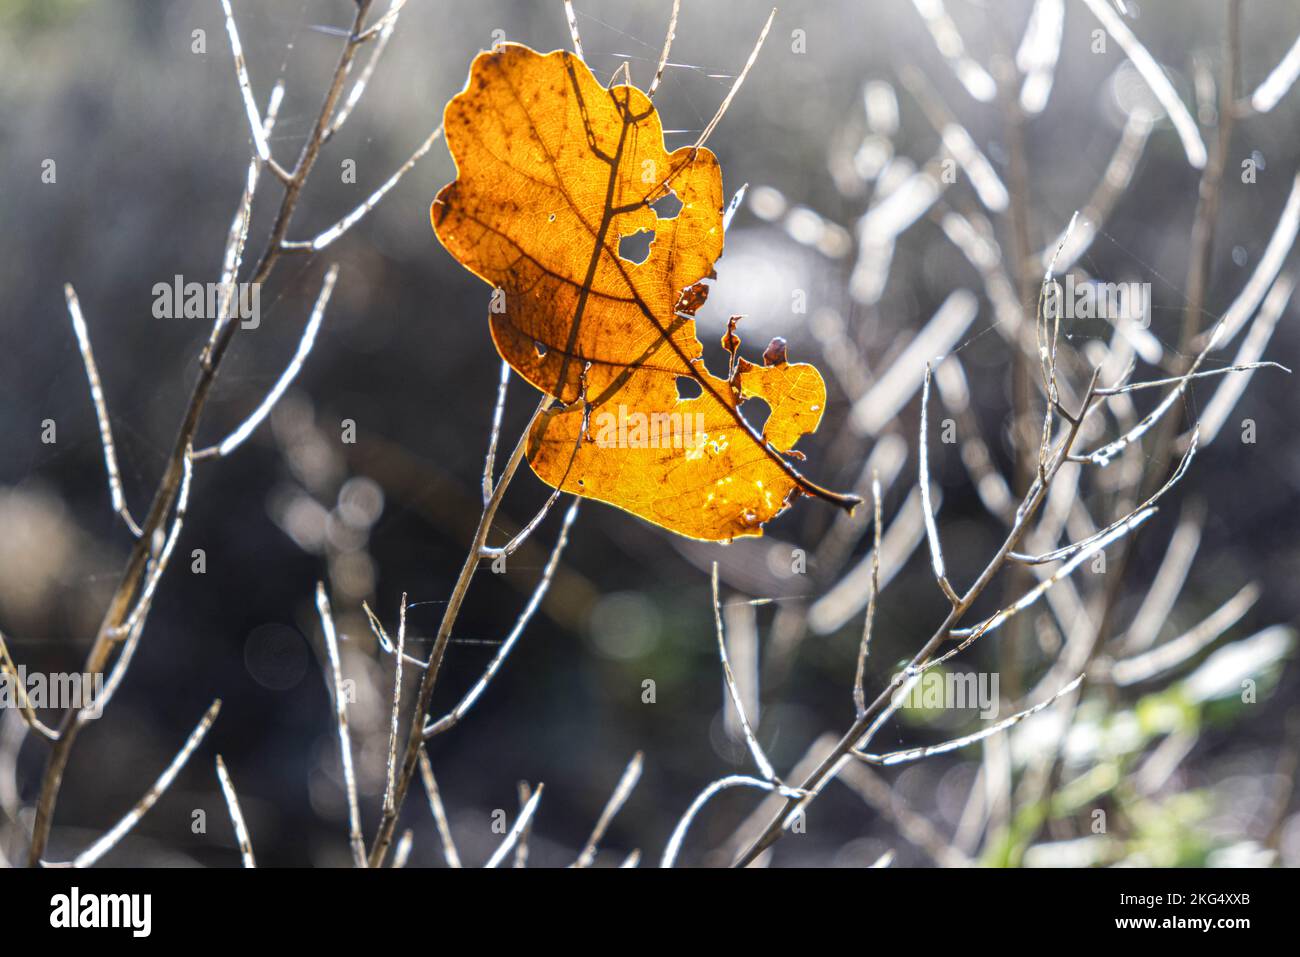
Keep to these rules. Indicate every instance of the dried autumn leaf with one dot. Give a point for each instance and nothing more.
(553, 170)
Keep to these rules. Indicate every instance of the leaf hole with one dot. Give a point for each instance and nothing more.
(688, 388)
(636, 248)
(540, 347)
(756, 413)
(667, 206)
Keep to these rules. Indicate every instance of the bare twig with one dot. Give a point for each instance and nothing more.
(403, 852)
(158, 564)
(236, 815)
(521, 822)
(1275, 86)
(339, 694)
(246, 87)
(367, 71)
(439, 812)
(397, 706)
(764, 765)
(859, 696)
(572, 17)
(521, 846)
(489, 461)
(722, 784)
(668, 45)
(101, 411)
(328, 236)
(384, 24)
(454, 717)
(1147, 664)
(923, 481)
(25, 708)
(1155, 78)
(622, 791)
(415, 740)
(916, 754)
(735, 87)
(249, 425)
(123, 827)
(943, 29)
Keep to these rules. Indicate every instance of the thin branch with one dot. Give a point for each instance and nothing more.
(521, 846)
(397, 707)
(1156, 383)
(237, 236)
(384, 24)
(923, 481)
(851, 593)
(351, 219)
(386, 643)
(341, 719)
(512, 546)
(1265, 273)
(1114, 180)
(943, 29)
(25, 708)
(120, 668)
(1168, 582)
(875, 410)
(363, 80)
(453, 717)
(521, 822)
(572, 17)
(403, 851)
(249, 425)
(1252, 348)
(439, 812)
(859, 695)
(236, 815)
(722, 784)
(158, 565)
(1275, 86)
(764, 765)
(123, 827)
(1070, 550)
(1155, 78)
(245, 86)
(916, 754)
(1146, 665)
(668, 45)
(101, 411)
(913, 827)
(415, 740)
(1076, 559)
(489, 462)
(735, 87)
(1038, 53)
(622, 791)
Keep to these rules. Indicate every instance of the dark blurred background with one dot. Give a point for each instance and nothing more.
(151, 146)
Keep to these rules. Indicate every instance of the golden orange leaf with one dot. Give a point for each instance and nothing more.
(553, 170)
